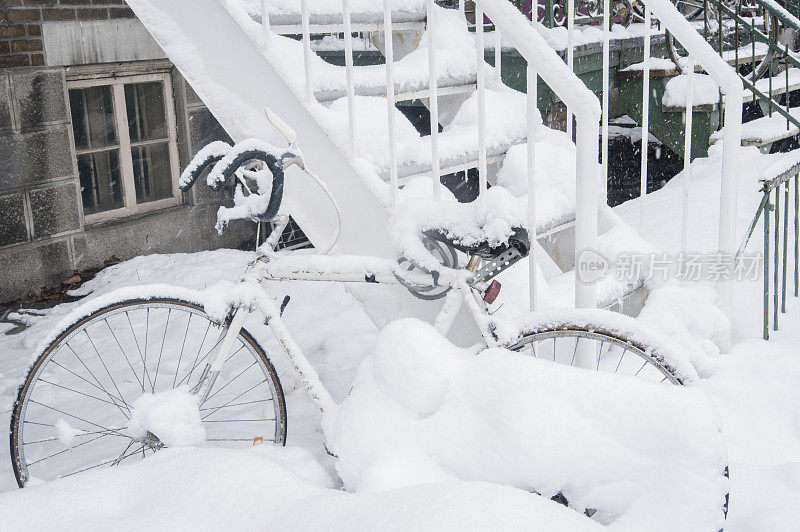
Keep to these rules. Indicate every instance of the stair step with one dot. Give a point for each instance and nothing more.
(288, 23)
(465, 160)
(401, 94)
(765, 130)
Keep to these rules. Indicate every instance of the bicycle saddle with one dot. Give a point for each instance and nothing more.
(518, 240)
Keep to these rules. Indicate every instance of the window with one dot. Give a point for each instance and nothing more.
(124, 131)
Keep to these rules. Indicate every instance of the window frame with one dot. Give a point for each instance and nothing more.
(124, 144)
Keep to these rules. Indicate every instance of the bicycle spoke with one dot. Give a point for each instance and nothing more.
(160, 353)
(138, 348)
(199, 350)
(77, 417)
(108, 372)
(76, 391)
(94, 377)
(66, 450)
(227, 405)
(52, 361)
(123, 353)
(103, 463)
(232, 380)
(183, 346)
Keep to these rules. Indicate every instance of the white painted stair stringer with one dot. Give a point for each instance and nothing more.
(236, 82)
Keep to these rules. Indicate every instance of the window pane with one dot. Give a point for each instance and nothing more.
(151, 172)
(92, 117)
(101, 186)
(147, 118)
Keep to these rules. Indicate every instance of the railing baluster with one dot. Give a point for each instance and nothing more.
(351, 91)
(786, 93)
(433, 104)
(306, 49)
(645, 119)
(785, 243)
(479, 59)
(498, 55)
(796, 235)
(687, 153)
(532, 84)
(390, 98)
(462, 7)
(767, 208)
(265, 24)
(570, 52)
(776, 257)
(606, 89)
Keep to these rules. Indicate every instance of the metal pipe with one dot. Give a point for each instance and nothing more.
(306, 50)
(498, 55)
(796, 234)
(645, 120)
(570, 53)
(433, 103)
(479, 60)
(767, 208)
(605, 105)
(390, 98)
(265, 25)
(532, 111)
(687, 154)
(351, 90)
(785, 243)
(776, 257)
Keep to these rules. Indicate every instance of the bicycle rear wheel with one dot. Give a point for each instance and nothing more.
(72, 411)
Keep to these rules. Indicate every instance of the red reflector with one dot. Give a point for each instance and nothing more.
(491, 293)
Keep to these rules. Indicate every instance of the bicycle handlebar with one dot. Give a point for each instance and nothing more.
(227, 160)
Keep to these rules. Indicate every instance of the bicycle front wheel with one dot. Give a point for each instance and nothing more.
(73, 409)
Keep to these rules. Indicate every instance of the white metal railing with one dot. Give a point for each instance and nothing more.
(581, 104)
(730, 84)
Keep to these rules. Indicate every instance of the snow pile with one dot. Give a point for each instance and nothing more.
(331, 7)
(172, 416)
(267, 488)
(491, 218)
(705, 91)
(647, 456)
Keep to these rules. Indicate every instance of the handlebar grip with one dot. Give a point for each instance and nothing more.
(208, 156)
(275, 165)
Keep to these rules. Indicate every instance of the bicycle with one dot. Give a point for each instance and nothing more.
(73, 408)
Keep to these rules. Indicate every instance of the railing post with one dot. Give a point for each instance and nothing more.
(306, 49)
(606, 88)
(796, 235)
(433, 103)
(585, 204)
(532, 111)
(481, 73)
(776, 264)
(265, 25)
(390, 98)
(351, 91)
(785, 244)
(687, 154)
(570, 52)
(498, 55)
(767, 208)
(645, 120)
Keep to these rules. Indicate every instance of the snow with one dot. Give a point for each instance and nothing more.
(491, 218)
(66, 433)
(418, 400)
(754, 386)
(705, 91)
(172, 416)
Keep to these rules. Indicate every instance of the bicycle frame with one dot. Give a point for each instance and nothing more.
(272, 266)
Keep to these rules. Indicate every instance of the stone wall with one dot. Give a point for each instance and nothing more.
(21, 24)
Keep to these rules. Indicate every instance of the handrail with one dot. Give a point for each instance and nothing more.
(733, 90)
(778, 174)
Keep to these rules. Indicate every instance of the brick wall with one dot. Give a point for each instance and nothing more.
(21, 24)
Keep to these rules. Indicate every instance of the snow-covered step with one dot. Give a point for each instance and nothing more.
(765, 130)
(403, 92)
(325, 16)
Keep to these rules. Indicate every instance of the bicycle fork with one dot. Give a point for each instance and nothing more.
(220, 353)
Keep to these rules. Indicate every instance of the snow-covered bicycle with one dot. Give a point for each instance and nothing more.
(74, 411)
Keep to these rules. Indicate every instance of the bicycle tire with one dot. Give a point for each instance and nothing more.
(25, 391)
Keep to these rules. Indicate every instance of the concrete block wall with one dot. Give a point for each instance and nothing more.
(21, 24)
(43, 233)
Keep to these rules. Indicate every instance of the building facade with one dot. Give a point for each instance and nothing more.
(95, 126)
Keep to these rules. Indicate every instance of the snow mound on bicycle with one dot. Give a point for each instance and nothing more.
(491, 218)
(646, 456)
